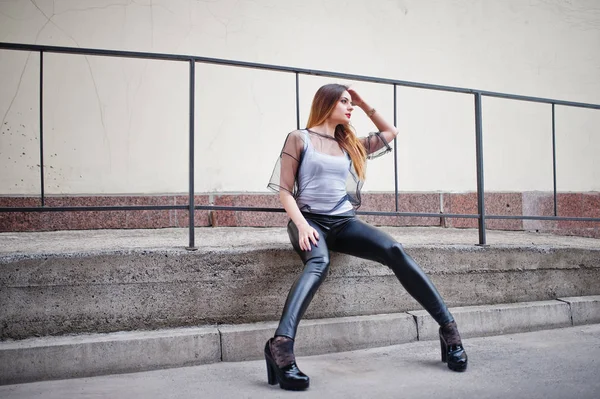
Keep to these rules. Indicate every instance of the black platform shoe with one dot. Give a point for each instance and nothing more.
(453, 351)
(289, 377)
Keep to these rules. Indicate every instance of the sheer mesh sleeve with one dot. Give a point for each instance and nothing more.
(286, 168)
(376, 145)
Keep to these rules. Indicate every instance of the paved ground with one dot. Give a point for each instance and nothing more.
(561, 364)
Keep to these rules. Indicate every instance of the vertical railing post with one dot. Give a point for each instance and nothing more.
(479, 160)
(396, 148)
(554, 160)
(192, 246)
(297, 102)
(42, 195)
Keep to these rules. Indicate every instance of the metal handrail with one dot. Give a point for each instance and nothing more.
(192, 60)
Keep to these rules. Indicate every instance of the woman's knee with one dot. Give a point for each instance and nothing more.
(395, 250)
(400, 262)
(317, 266)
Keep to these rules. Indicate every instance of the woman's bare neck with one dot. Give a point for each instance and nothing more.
(325, 128)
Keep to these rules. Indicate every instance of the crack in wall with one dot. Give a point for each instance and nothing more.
(189, 29)
(36, 6)
(224, 23)
(16, 92)
(152, 24)
(100, 108)
(49, 20)
(103, 7)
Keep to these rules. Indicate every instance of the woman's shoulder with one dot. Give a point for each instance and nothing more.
(300, 133)
(297, 135)
(295, 142)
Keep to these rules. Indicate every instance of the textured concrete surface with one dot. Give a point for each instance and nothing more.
(551, 364)
(479, 321)
(584, 310)
(98, 354)
(246, 341)
(225, 238)
(105, 281)
(95, 354)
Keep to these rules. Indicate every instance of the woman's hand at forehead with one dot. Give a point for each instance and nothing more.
(356, 98)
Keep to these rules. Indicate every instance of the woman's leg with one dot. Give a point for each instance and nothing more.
(316, 266)
(279, 350)
(360, 239)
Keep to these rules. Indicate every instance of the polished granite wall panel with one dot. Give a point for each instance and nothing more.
(507, 204)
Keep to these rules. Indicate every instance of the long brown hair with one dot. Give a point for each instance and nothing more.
(324, 102)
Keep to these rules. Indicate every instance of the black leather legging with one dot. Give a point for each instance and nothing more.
(349, 235)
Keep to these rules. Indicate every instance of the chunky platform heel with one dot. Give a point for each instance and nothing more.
(452, 349)
(289, 377)
(271, 378)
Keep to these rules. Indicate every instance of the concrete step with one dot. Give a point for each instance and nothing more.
(83, 355)
(560, 363)
(58, 283)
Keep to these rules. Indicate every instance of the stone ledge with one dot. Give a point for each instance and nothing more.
(243, 276)
(99, 354)
(480, 321)
(584, 310)
(96, 354)
(246, 341)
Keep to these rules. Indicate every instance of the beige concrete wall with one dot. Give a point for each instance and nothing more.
(120, 126)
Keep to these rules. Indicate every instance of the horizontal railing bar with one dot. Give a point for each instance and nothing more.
(281, 210)
(253, 65)
(93, 208)
(92, 51)
(539, 100)
(560, 218)
(207, 208)
(236, 208)
(417, 214)
(375, 213)
(220, 61)
(257, 209)
(134, 208)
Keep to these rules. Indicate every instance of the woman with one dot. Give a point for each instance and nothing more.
(319, 175)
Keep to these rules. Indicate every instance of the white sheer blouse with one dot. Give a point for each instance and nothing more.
(285, 173)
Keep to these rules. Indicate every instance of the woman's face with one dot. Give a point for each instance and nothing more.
(343, 109)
